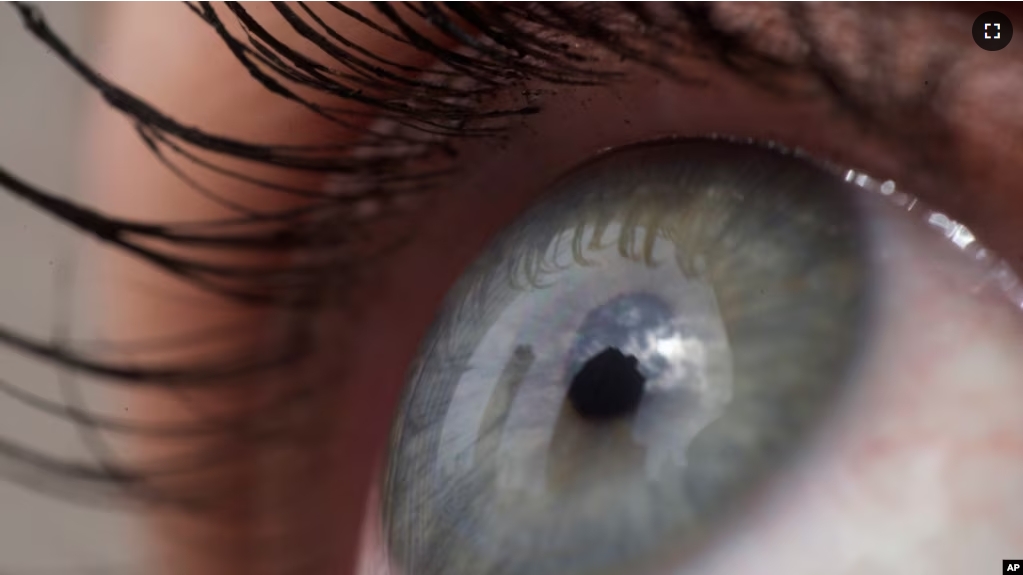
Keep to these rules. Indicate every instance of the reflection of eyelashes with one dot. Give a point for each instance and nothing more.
(432, 103)
(460, 483)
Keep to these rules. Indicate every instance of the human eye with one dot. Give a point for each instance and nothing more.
(507, 455)
(882, 303)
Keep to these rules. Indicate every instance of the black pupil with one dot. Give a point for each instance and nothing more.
(608, 386)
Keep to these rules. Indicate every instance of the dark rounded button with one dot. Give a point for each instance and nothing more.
(992, 31)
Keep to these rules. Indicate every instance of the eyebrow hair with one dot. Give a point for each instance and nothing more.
(490, 49)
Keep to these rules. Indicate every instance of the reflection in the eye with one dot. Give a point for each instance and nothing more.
(733, 278)
(683, 356)
(682, 352)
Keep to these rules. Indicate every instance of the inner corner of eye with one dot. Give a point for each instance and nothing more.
(632, 359)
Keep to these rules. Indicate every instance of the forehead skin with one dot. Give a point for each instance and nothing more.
(166, 55)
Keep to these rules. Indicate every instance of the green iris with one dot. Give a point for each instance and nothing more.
(730, 281)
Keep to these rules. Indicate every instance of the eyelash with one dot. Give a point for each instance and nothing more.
(500, 47)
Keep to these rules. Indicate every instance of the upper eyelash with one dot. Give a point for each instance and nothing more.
(97, 481)
(505, 46)
(495, 64)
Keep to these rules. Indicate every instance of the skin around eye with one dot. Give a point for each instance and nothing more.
(165, 54)
(373, 341)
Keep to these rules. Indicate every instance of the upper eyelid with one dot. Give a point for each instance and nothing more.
(696, 26)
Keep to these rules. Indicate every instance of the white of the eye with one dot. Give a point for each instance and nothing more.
(920, 469)
(994, 271)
